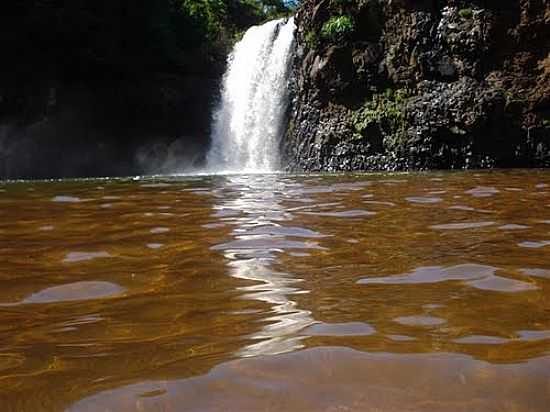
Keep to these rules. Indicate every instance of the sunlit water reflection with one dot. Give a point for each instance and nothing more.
(258, 228)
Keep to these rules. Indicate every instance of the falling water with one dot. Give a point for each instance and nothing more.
(249, 120)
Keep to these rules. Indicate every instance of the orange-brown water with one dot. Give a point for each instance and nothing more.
(404, 292)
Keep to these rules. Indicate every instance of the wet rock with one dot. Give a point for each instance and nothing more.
(419, 84)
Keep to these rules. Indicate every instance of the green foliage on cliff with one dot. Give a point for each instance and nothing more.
(466, 13)
(125, 51)
(338, 28)
(209, 14)
(78, 37)
(385, 111)
(215, 17)
(312, 39)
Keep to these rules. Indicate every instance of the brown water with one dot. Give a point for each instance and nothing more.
(421, 292)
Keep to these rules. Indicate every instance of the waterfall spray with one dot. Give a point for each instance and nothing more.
(248, 123)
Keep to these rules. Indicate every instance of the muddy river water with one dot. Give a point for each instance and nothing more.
(373, 292)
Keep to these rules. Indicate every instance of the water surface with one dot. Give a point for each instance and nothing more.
(403, 292)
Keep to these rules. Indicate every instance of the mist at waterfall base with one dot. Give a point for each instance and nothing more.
(249, 121)
(249, 118)
(120, 128)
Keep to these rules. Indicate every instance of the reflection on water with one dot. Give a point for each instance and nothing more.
(339, 329)
(80, 256)
(74, 291)
(342, 379)
(462, 225)
(286, 319)
(257, 219)
(420, 320)
(477, 276)
(406, 292)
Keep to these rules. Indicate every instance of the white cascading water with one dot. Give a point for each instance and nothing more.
(248, 123)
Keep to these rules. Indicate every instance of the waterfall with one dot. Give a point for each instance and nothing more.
(248, 123)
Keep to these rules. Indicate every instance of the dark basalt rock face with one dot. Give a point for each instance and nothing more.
(421, 84)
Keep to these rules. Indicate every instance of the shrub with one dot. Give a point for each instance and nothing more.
(338, 28)
(386, 110)
(466, 13)
(311, 39)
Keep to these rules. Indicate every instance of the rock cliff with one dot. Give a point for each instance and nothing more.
(418, 84)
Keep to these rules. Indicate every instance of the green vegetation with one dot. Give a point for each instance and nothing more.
(466, 13)
(79, 37)
(209, 15)
(132, 54)
(312, 39)
(384, 110)
(338, 28)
